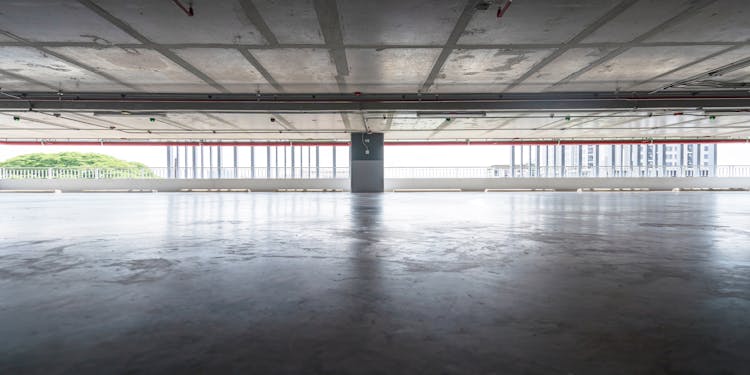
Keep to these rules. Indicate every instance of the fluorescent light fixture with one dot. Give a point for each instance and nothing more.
(451, 114)
(130, 114)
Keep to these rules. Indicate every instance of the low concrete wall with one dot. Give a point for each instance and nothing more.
(567, 184)
(466, 184)
(175, 185)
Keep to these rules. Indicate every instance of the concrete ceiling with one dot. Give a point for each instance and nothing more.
(240, 47)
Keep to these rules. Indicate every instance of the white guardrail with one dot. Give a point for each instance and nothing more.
(390, 172)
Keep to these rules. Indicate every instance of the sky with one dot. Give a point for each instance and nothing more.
(395, 156)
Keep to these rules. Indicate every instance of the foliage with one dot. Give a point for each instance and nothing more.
(80, 161)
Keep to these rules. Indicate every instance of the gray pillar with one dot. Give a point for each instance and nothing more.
(613, 160)
(630, 154)
(554, 161)
(169, 161)
(682, 160)
(697, 155)
(317, 161)
(210, 161)
(235, 162)
(714, 163)
(638, 159)
(538, 154)
(293, 174)
(177, 162)
(185, 162)
(252, 161)
(268, 161)
(334, 161)
(203, 163)
(562, 160)
(521, 169)
(195, 162)
(512, 161)
(530, 171)
(546, 161)
(580, 160)
(366, 163)
(285, 172)
(596, 160)
(218, 161)
(309, 162)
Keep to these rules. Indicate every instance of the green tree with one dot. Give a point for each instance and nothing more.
(116, 168)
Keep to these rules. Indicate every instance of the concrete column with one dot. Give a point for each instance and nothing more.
(596, 160)
(520, 170)
(580, 160)
(682, 160)
(334, 161)
(639, 162)
(512, 161)
(195, 164)
(546, 161)
(203, 163)
(235, 163)
(538, 154)
(697, 155)
(317, 161)
(562, 160)
(177, 162)
(309, 162)
(268, 161)
(613, 159)
(366, 163)
(169, 161)
(554, 161)
(252, 161)
(185, 162)
(530, 171)
(714, 163)
(210, 161)
(293, 172)
(218, 162)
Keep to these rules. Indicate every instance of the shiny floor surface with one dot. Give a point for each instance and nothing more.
(336, 283)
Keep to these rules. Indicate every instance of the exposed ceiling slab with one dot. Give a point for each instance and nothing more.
(146, 69)
(470, 70)
(57, 21)
(398, 22)
(163, 22)
(535, 21)
(102, 69)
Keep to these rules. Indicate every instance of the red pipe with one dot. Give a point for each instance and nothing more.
(501, 11)
(389, 143)
(565, 142)
(188, 10)
(161, 143)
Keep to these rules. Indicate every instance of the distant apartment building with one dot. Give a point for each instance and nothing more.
(621, 160)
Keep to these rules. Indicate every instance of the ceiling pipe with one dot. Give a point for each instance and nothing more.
(165, 143)
(503, 8)
(188, 10)
(387, 143)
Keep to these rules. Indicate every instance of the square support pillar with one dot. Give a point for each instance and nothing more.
(366, 163)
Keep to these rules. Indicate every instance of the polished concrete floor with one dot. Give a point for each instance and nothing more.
(335, 283)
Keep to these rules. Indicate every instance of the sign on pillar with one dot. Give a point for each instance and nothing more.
(367, 163)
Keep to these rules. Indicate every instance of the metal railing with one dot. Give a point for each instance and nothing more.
(175, 173)
(568, 171)
(390, 172)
